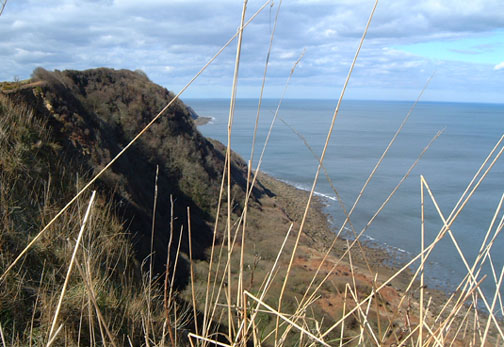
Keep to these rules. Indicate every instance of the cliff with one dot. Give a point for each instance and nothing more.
(57, 131)
(95, 113)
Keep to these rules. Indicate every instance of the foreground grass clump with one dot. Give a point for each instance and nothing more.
(37, 178)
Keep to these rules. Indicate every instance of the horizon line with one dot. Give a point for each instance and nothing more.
(348, 99)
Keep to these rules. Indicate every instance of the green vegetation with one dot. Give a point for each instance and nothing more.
(37, 177)
(53, 139)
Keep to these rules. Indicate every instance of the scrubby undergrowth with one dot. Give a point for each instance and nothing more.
(37, 177)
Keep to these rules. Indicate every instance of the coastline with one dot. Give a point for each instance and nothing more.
(318, 226)
(367, 263)
(343, 277)
(202, 120)
(361, 270)
(367, 266)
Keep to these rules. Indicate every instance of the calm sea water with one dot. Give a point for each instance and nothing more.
(362, 132)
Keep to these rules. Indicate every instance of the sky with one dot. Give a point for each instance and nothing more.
(458, 42)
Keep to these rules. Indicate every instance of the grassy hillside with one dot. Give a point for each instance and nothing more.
(37, 177)
(58, 130)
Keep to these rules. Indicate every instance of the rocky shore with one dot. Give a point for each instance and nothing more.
(368, 268)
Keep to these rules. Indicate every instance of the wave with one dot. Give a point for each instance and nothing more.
(373, 242)
(307, 189)
(391, 248)
(381, 244)
(369, 237)
(330, 197)
(209, 119)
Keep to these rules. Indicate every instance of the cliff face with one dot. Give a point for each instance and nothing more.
(95, 113)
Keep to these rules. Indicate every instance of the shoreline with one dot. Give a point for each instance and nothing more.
(365, 267)
(369, 262)
(318, 225)
(368, 241)
(388, 256)
(202, 120)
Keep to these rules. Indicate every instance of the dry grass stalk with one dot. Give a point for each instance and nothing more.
(2, 336)
(167, 299)
(364, 324)
(322, 156)
(261, 93)
(463, 200)
(151, 254)
(206, 323)
(265, 287)
(497, 290)
(88, 282)
(191, 267)
(70, 266)
(470, 273)
(240, 297)
(206, 339)
(442, 327)
(422, 260)
(228, 168)
(251, 160)
(290, 322)
(4, 2)
(55, 335)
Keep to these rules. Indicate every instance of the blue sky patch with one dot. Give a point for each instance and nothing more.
(482, 49)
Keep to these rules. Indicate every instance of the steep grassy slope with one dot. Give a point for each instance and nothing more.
(95, 113)
(37, 177)
(57, 131)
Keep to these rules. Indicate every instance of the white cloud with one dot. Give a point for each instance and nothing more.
(329, 32)
(170, 41)
(499, 66)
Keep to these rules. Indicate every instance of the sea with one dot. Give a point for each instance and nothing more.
(362, 131)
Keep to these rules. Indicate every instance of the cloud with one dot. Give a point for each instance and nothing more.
(171, 41)
(168, 68)
(499, 66)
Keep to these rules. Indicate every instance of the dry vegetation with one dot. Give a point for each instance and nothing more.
(249, 260)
